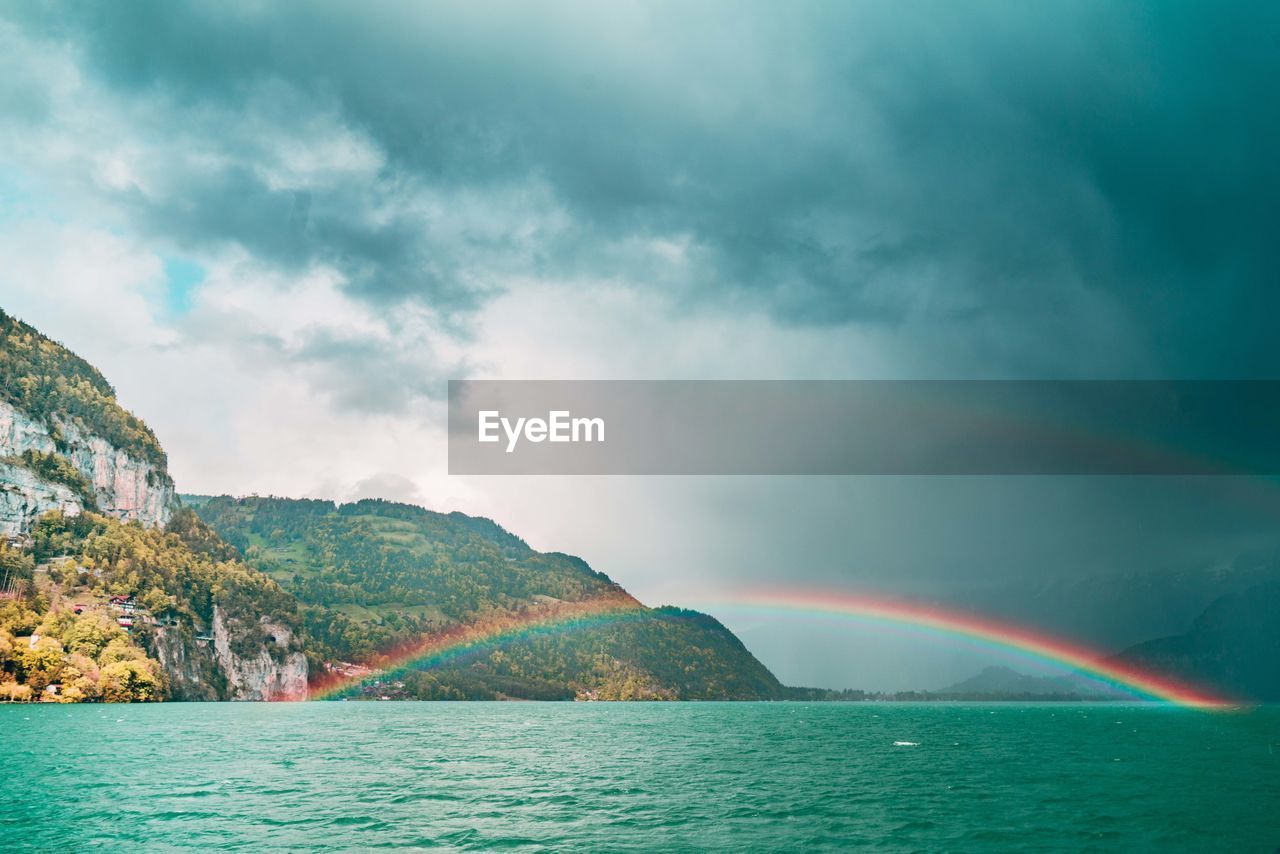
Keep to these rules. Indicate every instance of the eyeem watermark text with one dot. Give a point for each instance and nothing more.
(865, 427)
(558, 426)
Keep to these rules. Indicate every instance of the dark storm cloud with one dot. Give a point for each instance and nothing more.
(834, 162)
(384, 257)
(1035, 189)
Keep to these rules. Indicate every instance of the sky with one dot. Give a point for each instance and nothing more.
(280, 228)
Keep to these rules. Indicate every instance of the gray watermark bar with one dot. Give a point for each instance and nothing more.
(864, 427)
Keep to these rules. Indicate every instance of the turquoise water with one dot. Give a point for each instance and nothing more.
(626, 776)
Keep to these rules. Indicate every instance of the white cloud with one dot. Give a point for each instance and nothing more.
(94, 286)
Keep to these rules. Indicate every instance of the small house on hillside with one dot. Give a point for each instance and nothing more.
(123, 604)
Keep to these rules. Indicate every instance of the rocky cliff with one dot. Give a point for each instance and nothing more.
(269, 670)
(188, 663)
(74, 464)
(24, 496)
(123, 486)
(218, 664)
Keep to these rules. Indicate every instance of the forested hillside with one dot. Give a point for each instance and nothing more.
(67, 633)
(372, 574)
(107, 589)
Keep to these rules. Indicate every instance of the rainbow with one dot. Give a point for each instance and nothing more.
(981, 630)
(449, 644)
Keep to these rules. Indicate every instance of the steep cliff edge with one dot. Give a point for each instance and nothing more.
(121, 484)
(187, 618)
(188, 663)
(25, 496)
(229, 661)
(272, 668)
(60, 421)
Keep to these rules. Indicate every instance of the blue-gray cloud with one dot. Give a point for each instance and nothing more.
(833, 162)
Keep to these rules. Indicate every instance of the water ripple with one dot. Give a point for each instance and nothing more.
(354, 776)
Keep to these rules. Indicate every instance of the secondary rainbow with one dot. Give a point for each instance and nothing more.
(441, 647)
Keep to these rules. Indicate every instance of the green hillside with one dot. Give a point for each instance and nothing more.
(61, 636)
(44, 379)
(61, 631)
(372, 574)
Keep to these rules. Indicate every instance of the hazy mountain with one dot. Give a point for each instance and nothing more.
(1234, 646)
(1007, 682)
(1116, 611)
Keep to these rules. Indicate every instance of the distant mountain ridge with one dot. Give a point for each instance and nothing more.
(1234, 646)
(1116, 611)
(1006, 682)
(1232, 649)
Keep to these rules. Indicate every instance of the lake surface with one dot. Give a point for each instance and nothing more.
(632, 776)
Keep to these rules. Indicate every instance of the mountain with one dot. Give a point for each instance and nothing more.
(1118, 610)
(108, 589)
(111, 589)
(1008, 683)
(65, 443)
(373, 574)
(1234, 647)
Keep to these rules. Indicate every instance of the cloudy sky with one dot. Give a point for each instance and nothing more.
(280, 228)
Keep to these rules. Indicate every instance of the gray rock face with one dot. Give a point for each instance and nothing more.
(197, 665)
(188, 664)
(201, 669)
(261, 677)
(124, 486)
(24, 496)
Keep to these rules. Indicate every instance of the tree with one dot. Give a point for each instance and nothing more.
(130, 682)
(80, 674)
(12, 692)
(88, 636)
(8, 650)
(158, 602)
(40, 663)
(118, 649)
